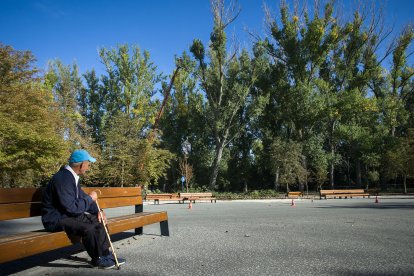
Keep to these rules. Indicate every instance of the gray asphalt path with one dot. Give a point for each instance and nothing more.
(266, 237)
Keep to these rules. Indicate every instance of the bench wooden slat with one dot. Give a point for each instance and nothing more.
(165, 199)
(25, 235)
(32, 209)
(162, 197)
(346, 195)
(31, 245)
(343, 193)
(151, 196)
(116, 202)
(294, 194)
(197, 196)
(128, 222)
(16, 195)
(20, 210)
(20, 206)
(114, 191)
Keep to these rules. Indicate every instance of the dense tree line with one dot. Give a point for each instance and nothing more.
(316, 103)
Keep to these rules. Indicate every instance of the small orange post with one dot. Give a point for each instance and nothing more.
(190, 205)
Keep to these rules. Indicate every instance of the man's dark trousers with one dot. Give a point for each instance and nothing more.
(91, 232)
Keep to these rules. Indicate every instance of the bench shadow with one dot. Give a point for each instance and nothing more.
(47, 259)
(356, 272)
(372, 206)
(42, 259)
(75, 262)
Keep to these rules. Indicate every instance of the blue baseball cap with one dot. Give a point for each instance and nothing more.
(80, 156)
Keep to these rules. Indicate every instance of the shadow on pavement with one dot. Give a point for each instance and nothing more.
(41, 259)
(357, 272)
(372, 206)
(46, 259)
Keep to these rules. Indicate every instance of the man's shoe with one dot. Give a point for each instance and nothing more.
(111, 256)
(103, 263)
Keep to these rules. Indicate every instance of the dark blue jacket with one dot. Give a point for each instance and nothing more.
(62, 199)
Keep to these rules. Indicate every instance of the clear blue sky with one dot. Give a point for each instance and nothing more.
(74, 30)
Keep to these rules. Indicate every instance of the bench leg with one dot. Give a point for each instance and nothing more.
(138, 231)
(138, 209)
(164, 228)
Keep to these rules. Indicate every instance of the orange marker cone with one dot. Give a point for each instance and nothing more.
(190, 205)
(293, 203)
(376, 199)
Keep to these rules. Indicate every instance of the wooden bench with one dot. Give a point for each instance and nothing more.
(294, 194)
(162, 197)
(343, 193)
(197, 196)
(26, 202)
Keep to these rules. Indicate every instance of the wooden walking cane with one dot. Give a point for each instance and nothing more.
(107, 233)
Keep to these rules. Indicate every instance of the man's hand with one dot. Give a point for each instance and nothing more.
(102, 216)
(93, 195)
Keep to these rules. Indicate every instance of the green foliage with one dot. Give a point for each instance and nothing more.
(316, 82)
(286, 160)
(129, 160)
(318, 159)
(128, 112)
(401, 157)
(67, 88)
(30, 147)
(255, 194)
(129, 83)
(93, 101)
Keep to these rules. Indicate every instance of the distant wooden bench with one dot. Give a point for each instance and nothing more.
(192, 197)
(26, 202)
(294, 194)
(162, 197)
(343, 193)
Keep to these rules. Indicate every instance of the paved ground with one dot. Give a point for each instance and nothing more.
(267, 237)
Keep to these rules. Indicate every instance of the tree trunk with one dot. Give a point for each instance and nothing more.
(332, 168)
(405, 184)
(358, 173)
(348, 173)
(276, 183)
(186, 173)
(383, 181)
(245, 188)
(216, 163)
(122, 173)
(301, 184)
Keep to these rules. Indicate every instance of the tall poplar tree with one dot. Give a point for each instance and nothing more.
(226, 81)
(129, 113)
